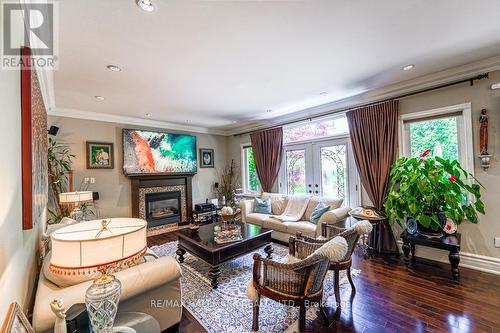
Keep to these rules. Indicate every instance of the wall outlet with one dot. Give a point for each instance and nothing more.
(86, 180)
(92, 180)
(497, 241)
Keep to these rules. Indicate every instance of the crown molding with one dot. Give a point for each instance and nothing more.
(126, 120)
(374, 95)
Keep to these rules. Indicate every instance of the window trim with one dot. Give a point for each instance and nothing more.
(466, 147)
(244, 171)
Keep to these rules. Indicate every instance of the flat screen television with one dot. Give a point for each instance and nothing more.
(151, 152)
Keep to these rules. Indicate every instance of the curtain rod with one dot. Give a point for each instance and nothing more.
(445, 85)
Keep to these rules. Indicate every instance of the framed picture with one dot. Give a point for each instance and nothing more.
(100, 155)
(33, 144)
(206, 158)
(16, 321)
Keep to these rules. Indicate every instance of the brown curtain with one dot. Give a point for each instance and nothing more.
(374, 135)
(267, 152)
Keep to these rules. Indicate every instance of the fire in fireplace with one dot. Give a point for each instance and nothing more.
(163, 208)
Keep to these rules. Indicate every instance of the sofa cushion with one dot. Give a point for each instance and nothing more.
(334, 203)
(275, 224)
(256, 218)
(262, 206)
(320, 209)
(305, 227)
(278, 202)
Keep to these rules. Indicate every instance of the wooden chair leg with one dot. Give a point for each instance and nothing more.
(336, 286)
(302, 318)
(255, 324)
(349, 277)
(323, 314)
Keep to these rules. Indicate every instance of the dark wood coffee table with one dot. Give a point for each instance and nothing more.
(202, 245)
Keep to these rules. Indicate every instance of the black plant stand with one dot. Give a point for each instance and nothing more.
(449, 243)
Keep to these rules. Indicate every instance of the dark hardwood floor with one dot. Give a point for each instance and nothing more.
(391, 298)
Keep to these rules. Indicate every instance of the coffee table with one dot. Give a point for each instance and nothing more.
(202, 245)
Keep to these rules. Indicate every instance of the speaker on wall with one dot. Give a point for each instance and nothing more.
(53, 130)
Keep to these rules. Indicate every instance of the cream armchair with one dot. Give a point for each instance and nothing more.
(152, 287)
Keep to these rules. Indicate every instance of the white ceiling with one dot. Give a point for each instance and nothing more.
(222, 64)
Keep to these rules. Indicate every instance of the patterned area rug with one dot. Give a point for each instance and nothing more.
(227, 309)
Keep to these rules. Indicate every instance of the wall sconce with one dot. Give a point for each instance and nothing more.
(485, 161)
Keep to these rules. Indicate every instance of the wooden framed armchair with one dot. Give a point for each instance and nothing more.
(293, 284)
(302, 246)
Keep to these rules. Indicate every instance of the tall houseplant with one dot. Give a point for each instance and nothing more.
(431, 189)
(228, 182)
(59, 166)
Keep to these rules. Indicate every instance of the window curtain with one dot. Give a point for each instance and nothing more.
(267, 152)
(374, 135)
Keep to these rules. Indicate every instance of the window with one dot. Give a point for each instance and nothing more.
(250, 179)
(446, 132)
(318, 129)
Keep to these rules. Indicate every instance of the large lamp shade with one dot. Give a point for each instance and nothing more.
(96, 244)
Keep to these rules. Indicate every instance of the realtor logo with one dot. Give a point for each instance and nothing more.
(31, 23)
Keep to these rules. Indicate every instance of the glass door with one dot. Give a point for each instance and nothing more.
(322, 168)
(296, 174)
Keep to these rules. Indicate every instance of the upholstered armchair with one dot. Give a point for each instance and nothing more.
(302, 246)
(294, 284)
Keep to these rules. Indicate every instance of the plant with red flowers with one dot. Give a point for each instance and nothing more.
(427, 189)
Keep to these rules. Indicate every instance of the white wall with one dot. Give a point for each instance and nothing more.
(113, 186)
(18, 263)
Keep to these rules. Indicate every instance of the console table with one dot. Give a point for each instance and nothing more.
(449, 243)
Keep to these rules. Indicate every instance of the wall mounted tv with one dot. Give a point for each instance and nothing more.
(151, 152)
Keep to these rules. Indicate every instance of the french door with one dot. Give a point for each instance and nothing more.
(322, 168)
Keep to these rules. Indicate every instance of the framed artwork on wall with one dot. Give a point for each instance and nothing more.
(100, 155)
(206, 158)
(33, 144)
(16, 321)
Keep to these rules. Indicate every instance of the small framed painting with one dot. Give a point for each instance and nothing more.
(100, 155)
(206, 158)
(16, 321)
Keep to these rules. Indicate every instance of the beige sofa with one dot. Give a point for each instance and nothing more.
(152, 287)
(283, 230)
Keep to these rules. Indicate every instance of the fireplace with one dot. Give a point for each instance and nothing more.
(163, 208)
(165, 202)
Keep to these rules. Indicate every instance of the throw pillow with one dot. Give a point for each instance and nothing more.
(262, 206)
(316, 214)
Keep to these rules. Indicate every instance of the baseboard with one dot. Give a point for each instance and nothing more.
(468, 260)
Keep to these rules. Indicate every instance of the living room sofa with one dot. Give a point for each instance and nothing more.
(152, 287)
(283, 230)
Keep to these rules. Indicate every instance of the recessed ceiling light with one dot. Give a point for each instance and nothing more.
(148, 114)
(234, 121)
(114, 68)
(146, 5)
(269, 110)
(99, 98)
(408, 67)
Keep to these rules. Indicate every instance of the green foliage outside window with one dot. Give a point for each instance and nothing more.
(434, 135)
(253, 179)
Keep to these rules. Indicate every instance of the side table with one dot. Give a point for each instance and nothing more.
(449, 243)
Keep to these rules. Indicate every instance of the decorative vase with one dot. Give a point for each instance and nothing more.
(429, 231)
(101, 300)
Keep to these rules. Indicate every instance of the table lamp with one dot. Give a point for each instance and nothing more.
(103, 245)
(76, 198)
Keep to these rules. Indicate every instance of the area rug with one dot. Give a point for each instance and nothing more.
(227, 309)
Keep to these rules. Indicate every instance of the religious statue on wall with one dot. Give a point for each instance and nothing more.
(483, 133)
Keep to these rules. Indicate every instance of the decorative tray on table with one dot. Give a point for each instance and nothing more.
(227, 233)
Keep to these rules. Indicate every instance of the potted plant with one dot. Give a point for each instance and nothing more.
(431, 190)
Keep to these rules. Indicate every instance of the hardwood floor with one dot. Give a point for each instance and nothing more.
(391, 298)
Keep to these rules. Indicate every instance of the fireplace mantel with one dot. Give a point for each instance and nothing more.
(151, 181)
